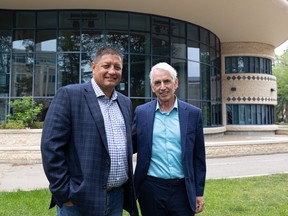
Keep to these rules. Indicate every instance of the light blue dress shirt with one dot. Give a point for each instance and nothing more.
(166, 160)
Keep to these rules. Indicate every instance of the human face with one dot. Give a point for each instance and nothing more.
(107, 72)
(163, 86)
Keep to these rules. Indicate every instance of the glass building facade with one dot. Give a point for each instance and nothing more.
(40, 51)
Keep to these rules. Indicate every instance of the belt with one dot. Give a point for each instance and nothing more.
(109, 189)
(168, 182)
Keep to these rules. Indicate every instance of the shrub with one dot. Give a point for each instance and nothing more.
(24, 110)
(12, 125)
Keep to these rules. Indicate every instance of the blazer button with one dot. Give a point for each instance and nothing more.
(107, 163)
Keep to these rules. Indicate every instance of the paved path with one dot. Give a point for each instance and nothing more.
(28, 177)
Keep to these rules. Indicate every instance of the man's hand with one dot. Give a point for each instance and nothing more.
(199, 204)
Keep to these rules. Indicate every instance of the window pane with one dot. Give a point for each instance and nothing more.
(160, 45)
(178, 48)
(23, 41)
(92, 40)
(45, 77)
(204, 54)
(160, 25)
(115, 20)
(212, 40)
(119, 40)
(93, 20)
(140, 43)
(181, 68)
(22, 68)
(205, 81)
(123, 85)
(192, 32)
(68, 41)
(229, 114)
(206, 113)
(5, 41)
(194, 86)
(178, 28)
(193, 51)
(204, 36)
(68, 69)
(24, 19)
(47, 19)
(4, 74)
(139, 22)
(46, 41)
(139, 73)
(86, 70)
(4, 105)
(6, 19)
(69, 19)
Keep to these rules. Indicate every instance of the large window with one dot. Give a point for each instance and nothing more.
(250, 114)
(40, 51)
(248, 64)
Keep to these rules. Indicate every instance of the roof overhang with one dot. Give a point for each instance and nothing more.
(263, 21)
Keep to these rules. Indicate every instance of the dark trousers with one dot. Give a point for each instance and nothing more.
(160, 197)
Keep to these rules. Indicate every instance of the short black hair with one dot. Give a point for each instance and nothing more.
(107, 50)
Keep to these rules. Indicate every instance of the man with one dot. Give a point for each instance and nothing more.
(86, 144)
(171, 168)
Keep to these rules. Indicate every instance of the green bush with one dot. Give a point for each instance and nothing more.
(25, 111)
(37, 125)
(12, 125)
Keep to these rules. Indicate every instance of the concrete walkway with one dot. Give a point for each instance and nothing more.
(221, 152)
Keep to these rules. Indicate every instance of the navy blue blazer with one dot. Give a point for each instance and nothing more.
(75, 153)
(192, 144)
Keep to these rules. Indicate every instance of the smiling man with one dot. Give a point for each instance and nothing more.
(168, 135)
(86, 144)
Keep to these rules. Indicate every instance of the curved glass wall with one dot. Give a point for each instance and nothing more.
(250, 114)
(41, 51)
(248, 64)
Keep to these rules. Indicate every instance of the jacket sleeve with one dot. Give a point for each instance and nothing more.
(55, 138)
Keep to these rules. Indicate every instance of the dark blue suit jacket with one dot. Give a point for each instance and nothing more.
(75, 150)
(192, 144)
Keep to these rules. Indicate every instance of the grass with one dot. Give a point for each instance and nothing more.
(256, 196)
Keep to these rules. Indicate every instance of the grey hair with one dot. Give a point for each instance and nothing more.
(163, 66)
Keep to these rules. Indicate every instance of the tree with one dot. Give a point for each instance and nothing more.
(280, 70)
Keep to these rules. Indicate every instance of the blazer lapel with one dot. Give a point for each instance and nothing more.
(95, 111)
(150, 114)
(183, 120)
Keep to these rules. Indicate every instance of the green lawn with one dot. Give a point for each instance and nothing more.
(257, 196)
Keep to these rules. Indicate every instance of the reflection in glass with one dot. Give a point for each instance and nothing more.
(45, 77)
(123, 85)
(193, 51)
(6, 20)
(92, 40)
(4, 109)
(204, 54)
(4, 74)
(68, 41)
(178, 48)
(140, 43)
(68, 69)
(118, 40)
(192, 32)
(181, 67)
(5, 41)
(22, 69)
(23, 41)
(178, 28)
(86, 70)
(139, 73)
(160, 25)
(160, 44)
(205, 81)
(46, 41)
(194, 87)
